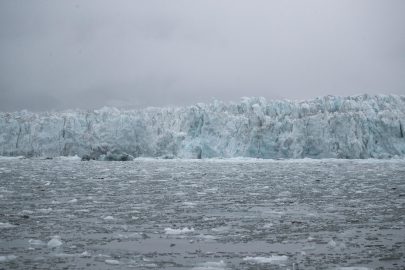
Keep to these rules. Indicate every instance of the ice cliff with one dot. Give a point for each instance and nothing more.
(361, 126)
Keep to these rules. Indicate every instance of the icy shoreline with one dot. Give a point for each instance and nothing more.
(357, 127)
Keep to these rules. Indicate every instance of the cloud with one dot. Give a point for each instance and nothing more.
(139, 53)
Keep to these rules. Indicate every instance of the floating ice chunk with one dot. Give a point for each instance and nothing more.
(211, 266)
(353, 268)
(73, 201)
(11, 158)
(6, 225)
(70, 158)
(44, 210)
(189, 204)
(26, 212)
(36, 242)
(130, 235)
(7, 258)
(85, 254)
(109, 218)
(332, 243)
(178, 231)
(207, 237)
(113, 262)
(268, 225)
(285, 194)
(55, 242)
(220, 229)
(310, 247)
(272, 259)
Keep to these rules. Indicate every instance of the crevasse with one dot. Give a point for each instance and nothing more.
(361, 126)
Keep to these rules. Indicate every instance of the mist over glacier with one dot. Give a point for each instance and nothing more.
(362, 126)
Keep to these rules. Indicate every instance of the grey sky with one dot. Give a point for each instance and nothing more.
(68, 54)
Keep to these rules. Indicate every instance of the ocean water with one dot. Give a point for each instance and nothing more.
(202, 214)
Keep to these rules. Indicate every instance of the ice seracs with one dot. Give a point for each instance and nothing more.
(362, 126)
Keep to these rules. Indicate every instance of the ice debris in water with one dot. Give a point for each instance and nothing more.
(85, 254)
(109, 218)
(55, 242)
(7, 258)
(353, 268)
(211, 266)
(114, 262)
(275, 259)
(6, 225)
(332, 243)
(36, 242)
(73, 201)
(363, 126)
(178, 231)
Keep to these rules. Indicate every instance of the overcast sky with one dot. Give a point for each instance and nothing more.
(87, 54)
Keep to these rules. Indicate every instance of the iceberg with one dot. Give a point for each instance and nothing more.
(354, 127)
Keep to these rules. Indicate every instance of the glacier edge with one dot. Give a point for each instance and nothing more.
(363, 126)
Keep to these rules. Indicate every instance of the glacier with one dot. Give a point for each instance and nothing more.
(354, 127)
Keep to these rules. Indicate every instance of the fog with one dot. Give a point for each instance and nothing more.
(88, 54)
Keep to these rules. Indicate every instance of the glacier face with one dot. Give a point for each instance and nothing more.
(361, 126)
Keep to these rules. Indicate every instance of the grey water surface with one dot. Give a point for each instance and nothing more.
(202, 214)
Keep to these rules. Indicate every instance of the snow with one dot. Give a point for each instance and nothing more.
(178, 231)
(275, 259)
(363, 126)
